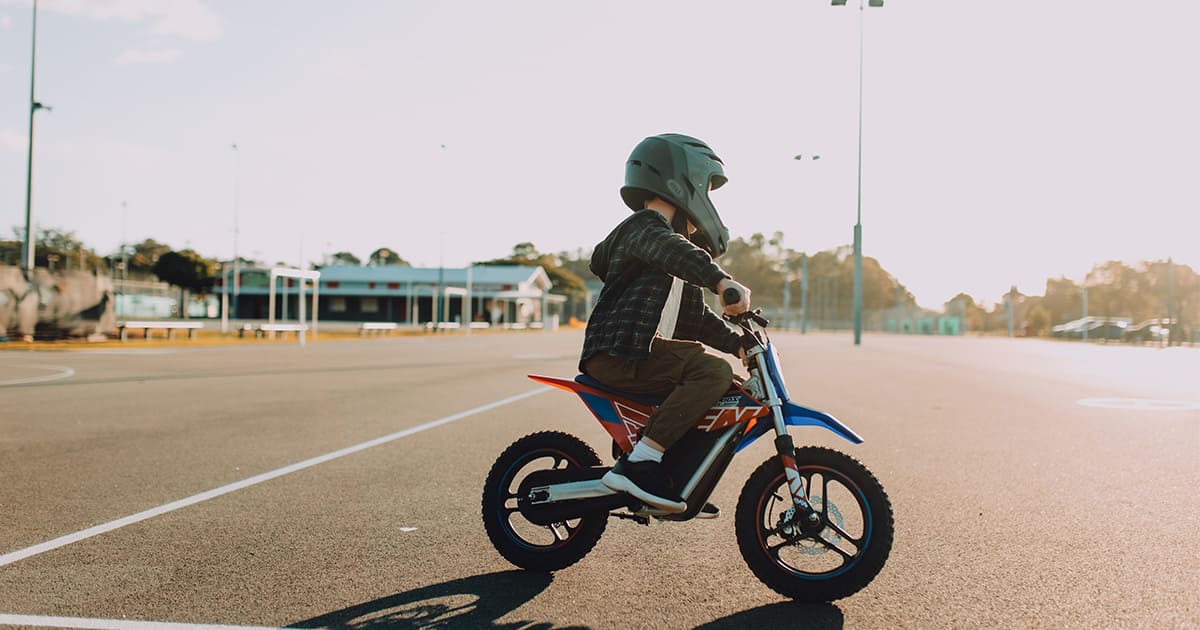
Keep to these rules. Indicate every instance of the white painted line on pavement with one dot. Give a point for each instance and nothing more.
(62, 541)
(126, 351)
(1140, 404)
(112, 624)
(62, 372)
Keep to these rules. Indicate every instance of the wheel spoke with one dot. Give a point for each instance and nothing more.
(774, 549)
(828, 545)
(841, 532)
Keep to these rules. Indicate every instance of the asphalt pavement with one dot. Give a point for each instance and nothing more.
(1035, 484)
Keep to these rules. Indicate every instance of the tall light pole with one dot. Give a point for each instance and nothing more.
(237, 265)
(858, 281)
(27, 260)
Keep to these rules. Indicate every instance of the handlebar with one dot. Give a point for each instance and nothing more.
(732, 296)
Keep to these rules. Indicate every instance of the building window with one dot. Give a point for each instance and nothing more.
(337, 305)
(370, 305)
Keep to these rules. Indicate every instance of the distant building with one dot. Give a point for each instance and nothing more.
(499, 294)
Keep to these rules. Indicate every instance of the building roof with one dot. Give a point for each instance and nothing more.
(480, 274)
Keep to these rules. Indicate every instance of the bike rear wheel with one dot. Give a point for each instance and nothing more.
(830, 560)
(521, 542)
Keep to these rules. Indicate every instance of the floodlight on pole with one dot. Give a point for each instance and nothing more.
(858, 280)
(27, 245)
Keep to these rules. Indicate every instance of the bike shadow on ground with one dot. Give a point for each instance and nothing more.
(782, 615)
(474, 602)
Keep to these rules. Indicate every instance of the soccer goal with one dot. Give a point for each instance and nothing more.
(302, 277)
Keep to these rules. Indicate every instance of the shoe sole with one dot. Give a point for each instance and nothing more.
(621, 483)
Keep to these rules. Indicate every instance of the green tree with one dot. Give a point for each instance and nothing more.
(563, 280)
(525, 251)
(757, 263)
(578, 263)
(54, 248)
(346, 258)
(974, 316)
(187, 270)
(385, 256)
(1063, 300)
(10, 250)
(144, 255)
(1037, 318)
(1113, 290)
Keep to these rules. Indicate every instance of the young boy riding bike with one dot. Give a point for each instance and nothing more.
(644, 334)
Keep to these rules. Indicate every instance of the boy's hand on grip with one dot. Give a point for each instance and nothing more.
(726, 289)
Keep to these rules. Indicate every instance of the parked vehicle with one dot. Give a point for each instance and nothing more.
(1110, 329)
(1107, 328)
(1150, 330)
(1065, 329)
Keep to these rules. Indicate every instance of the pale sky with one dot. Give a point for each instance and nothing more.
(1003, 142)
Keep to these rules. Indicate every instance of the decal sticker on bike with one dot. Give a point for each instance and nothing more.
(632, 418)
(720, 417)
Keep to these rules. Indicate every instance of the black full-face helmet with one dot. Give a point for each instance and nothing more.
(681, 170)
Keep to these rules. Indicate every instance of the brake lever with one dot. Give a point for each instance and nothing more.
(741, 319)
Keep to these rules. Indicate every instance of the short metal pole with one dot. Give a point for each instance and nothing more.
(803, 293)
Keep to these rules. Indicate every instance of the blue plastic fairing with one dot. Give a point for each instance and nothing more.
(795, 415)
(775, 373)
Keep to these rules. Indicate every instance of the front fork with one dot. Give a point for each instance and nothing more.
(784, 446)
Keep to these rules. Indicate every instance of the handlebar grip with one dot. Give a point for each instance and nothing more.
(731, 296)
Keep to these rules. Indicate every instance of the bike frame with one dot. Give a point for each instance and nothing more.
(624, 415)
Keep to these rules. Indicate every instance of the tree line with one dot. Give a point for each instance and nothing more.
(1136, 291)
(1157, 289)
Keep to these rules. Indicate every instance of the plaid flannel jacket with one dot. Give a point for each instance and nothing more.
(636, 263)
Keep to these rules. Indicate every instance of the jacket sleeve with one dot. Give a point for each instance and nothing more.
(700, 323)
(652, 240)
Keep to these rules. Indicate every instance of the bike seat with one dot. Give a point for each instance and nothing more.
(645, 399)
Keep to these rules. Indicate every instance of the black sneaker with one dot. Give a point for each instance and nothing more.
(647, 481)
(708, 511)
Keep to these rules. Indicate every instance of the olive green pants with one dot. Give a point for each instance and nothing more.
(691, 379)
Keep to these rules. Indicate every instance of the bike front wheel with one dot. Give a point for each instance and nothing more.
(815, 562)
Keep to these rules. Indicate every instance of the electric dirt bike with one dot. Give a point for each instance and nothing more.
(812, 523)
